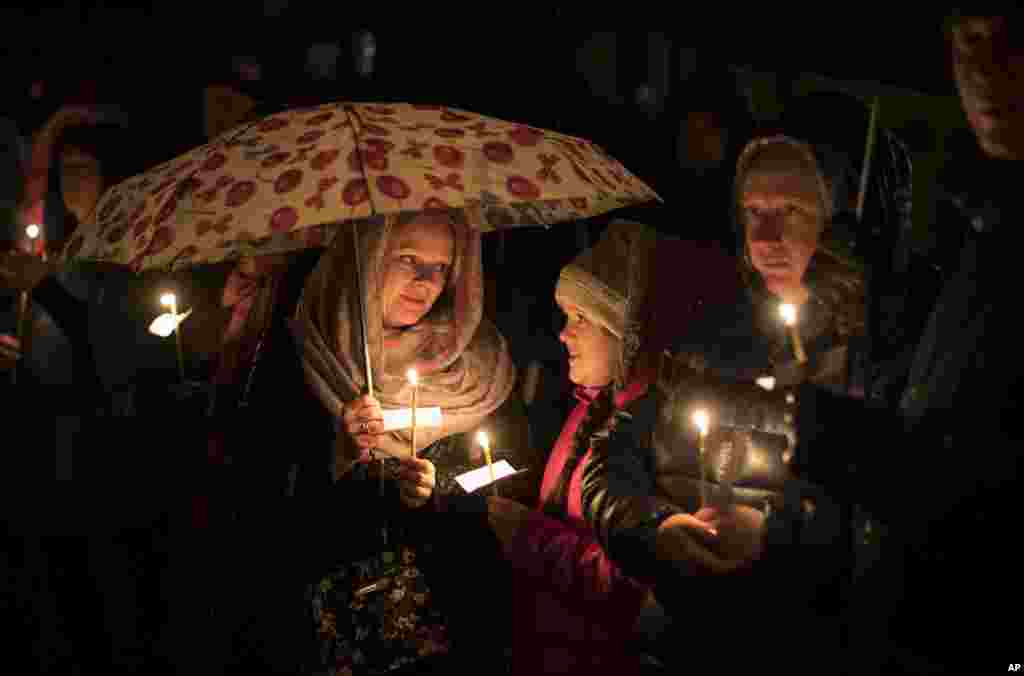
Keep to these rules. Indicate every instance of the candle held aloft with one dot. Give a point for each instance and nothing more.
(414, 380)
(789, 317)
(485, 444)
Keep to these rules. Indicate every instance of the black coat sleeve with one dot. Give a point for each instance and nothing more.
(619, 491)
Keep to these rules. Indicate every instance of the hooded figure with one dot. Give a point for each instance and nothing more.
(793, 193)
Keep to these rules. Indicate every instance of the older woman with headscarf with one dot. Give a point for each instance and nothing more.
(422, 296)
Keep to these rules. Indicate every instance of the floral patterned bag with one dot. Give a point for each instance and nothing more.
(377, 615)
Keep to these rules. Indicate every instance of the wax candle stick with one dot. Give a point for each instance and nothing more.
(485, 444)
(414, 380)
(171, 301)
(789, 315)
(702, 421)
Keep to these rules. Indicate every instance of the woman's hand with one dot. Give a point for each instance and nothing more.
(363, 422)
(740, 531)
(713, 540)
(416, 481)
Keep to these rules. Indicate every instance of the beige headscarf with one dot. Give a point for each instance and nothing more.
(462, 360)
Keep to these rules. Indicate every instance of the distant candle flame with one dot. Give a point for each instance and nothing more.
(168, 300)
(32, 231)
(788, 312)
(702, 420)
(414, 378)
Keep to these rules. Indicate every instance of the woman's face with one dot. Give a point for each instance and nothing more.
(416, 266)
(593, 350)
(81, 181)
(783, 221)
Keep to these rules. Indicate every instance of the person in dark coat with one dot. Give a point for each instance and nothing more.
(792, 188)
(941, 460)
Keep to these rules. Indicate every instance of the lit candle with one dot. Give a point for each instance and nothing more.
(485, 444)
(788, 312)
(169, 300)
(414, 380)
(702, 420)
(36, 244)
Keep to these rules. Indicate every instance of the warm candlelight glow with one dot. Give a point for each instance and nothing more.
(414, 378)
(32, 231)
(702, 421)
(168, 300)
(788, 312)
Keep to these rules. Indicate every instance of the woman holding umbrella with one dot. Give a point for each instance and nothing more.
(421, 288)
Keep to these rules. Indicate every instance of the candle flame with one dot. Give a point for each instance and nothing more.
(414, 378)
(168, 300)
(32, 231)
(702, 420)
(788, 312)
(481, 438)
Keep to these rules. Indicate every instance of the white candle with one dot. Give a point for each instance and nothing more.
(485, 443)
(414, 380)
(702, 420)
(789, 316)
(171, 301)
(35, 232)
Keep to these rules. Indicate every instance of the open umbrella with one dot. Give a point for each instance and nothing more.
(295, 179)
(291, 180)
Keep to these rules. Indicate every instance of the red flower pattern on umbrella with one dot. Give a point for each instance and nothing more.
(298, 176)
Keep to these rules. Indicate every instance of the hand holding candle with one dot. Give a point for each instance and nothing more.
(485, 444)
(789, 317)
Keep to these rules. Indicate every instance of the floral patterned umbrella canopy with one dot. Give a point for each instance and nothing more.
(293, 179)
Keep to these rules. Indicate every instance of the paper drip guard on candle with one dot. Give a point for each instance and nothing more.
(401, 418)
(165, 324)
(481, 476)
